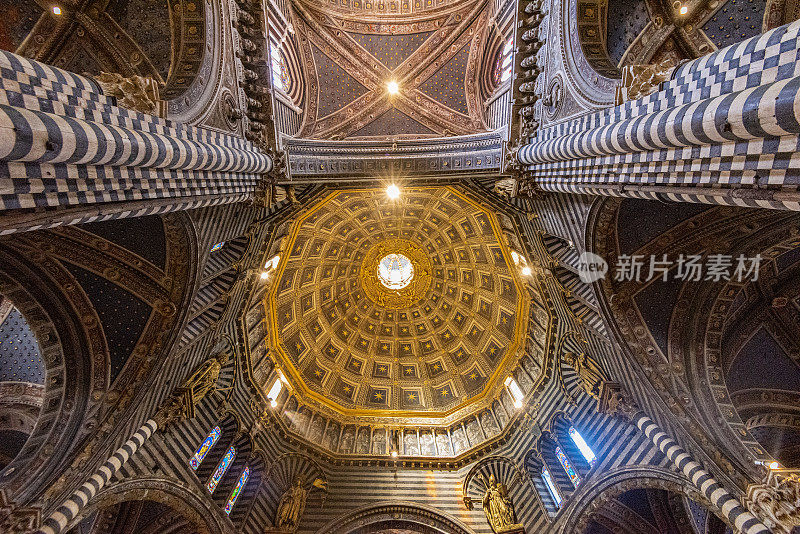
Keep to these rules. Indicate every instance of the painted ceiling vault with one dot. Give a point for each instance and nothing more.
(426, 349)
(350, 55)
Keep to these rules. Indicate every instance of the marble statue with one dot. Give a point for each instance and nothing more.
(204, 380)
(589, 371)
(498, 508)
(293, 502)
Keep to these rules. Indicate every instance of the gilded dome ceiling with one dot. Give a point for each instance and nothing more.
(350, 341)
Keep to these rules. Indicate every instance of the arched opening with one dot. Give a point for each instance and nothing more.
(734, 353)
(140, 516)
(149, 506)
(396, 518)
(86, 297)
(641, 500)
(22, 381)
(652, 511)
(592, 25)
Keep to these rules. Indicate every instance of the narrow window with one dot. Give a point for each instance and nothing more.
(237, 490)
(586, 451)
(209, 442)
(280, 74)
(272, 396)
(223, 466)
(515, 391)
(551, 487)
(565, 463)
(503, 69)
(218, 246)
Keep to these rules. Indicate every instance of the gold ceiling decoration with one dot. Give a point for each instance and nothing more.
(432, 349)
(396, 299)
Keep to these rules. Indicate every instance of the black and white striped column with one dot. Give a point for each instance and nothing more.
(727, 504)
(65, 144)
(725, 129)
(69, 510)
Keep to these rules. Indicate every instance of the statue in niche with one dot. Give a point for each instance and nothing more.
(301, 421)
(500, 413)
(293, 502)
(426, 446)
(443, 444)
(331, 436)
(362, 441)
(411, 448)
(524, 381)
(473, 432)
(498, 508)
(489, 425)
(348, 439)
(589, 371)
(531, 367)
(459, 440)
(379, 441)
(317, 427)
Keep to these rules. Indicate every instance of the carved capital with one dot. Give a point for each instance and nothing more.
(615, 401)
(176, 408)
(527, 187)
(266, 193)
(776, 501)
(641, 80)
(137, 92)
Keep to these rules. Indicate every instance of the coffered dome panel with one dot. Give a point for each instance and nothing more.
(428, 348)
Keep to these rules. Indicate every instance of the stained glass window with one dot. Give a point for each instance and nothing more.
(586, 451)
(218, 246)
(209, 442)
(280, 73)
(223, 466)
(503, 67)
(237, 490)
(551, 487)
(565, 463)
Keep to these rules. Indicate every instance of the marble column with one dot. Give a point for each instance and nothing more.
(70, 154)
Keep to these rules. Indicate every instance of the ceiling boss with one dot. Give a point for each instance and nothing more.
(395, 273)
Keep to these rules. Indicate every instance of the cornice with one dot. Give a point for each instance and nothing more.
(470, 153)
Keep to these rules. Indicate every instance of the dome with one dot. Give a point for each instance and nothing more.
(393, 309)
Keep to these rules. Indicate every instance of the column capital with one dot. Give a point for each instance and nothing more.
(176, 408)
(776, 500)
(136, 92)
(616, 401)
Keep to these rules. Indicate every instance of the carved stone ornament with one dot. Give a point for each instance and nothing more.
(204, 380)
(16, 519)
(615, 401)
(641, 80)
(137, 92)
(776, 501)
